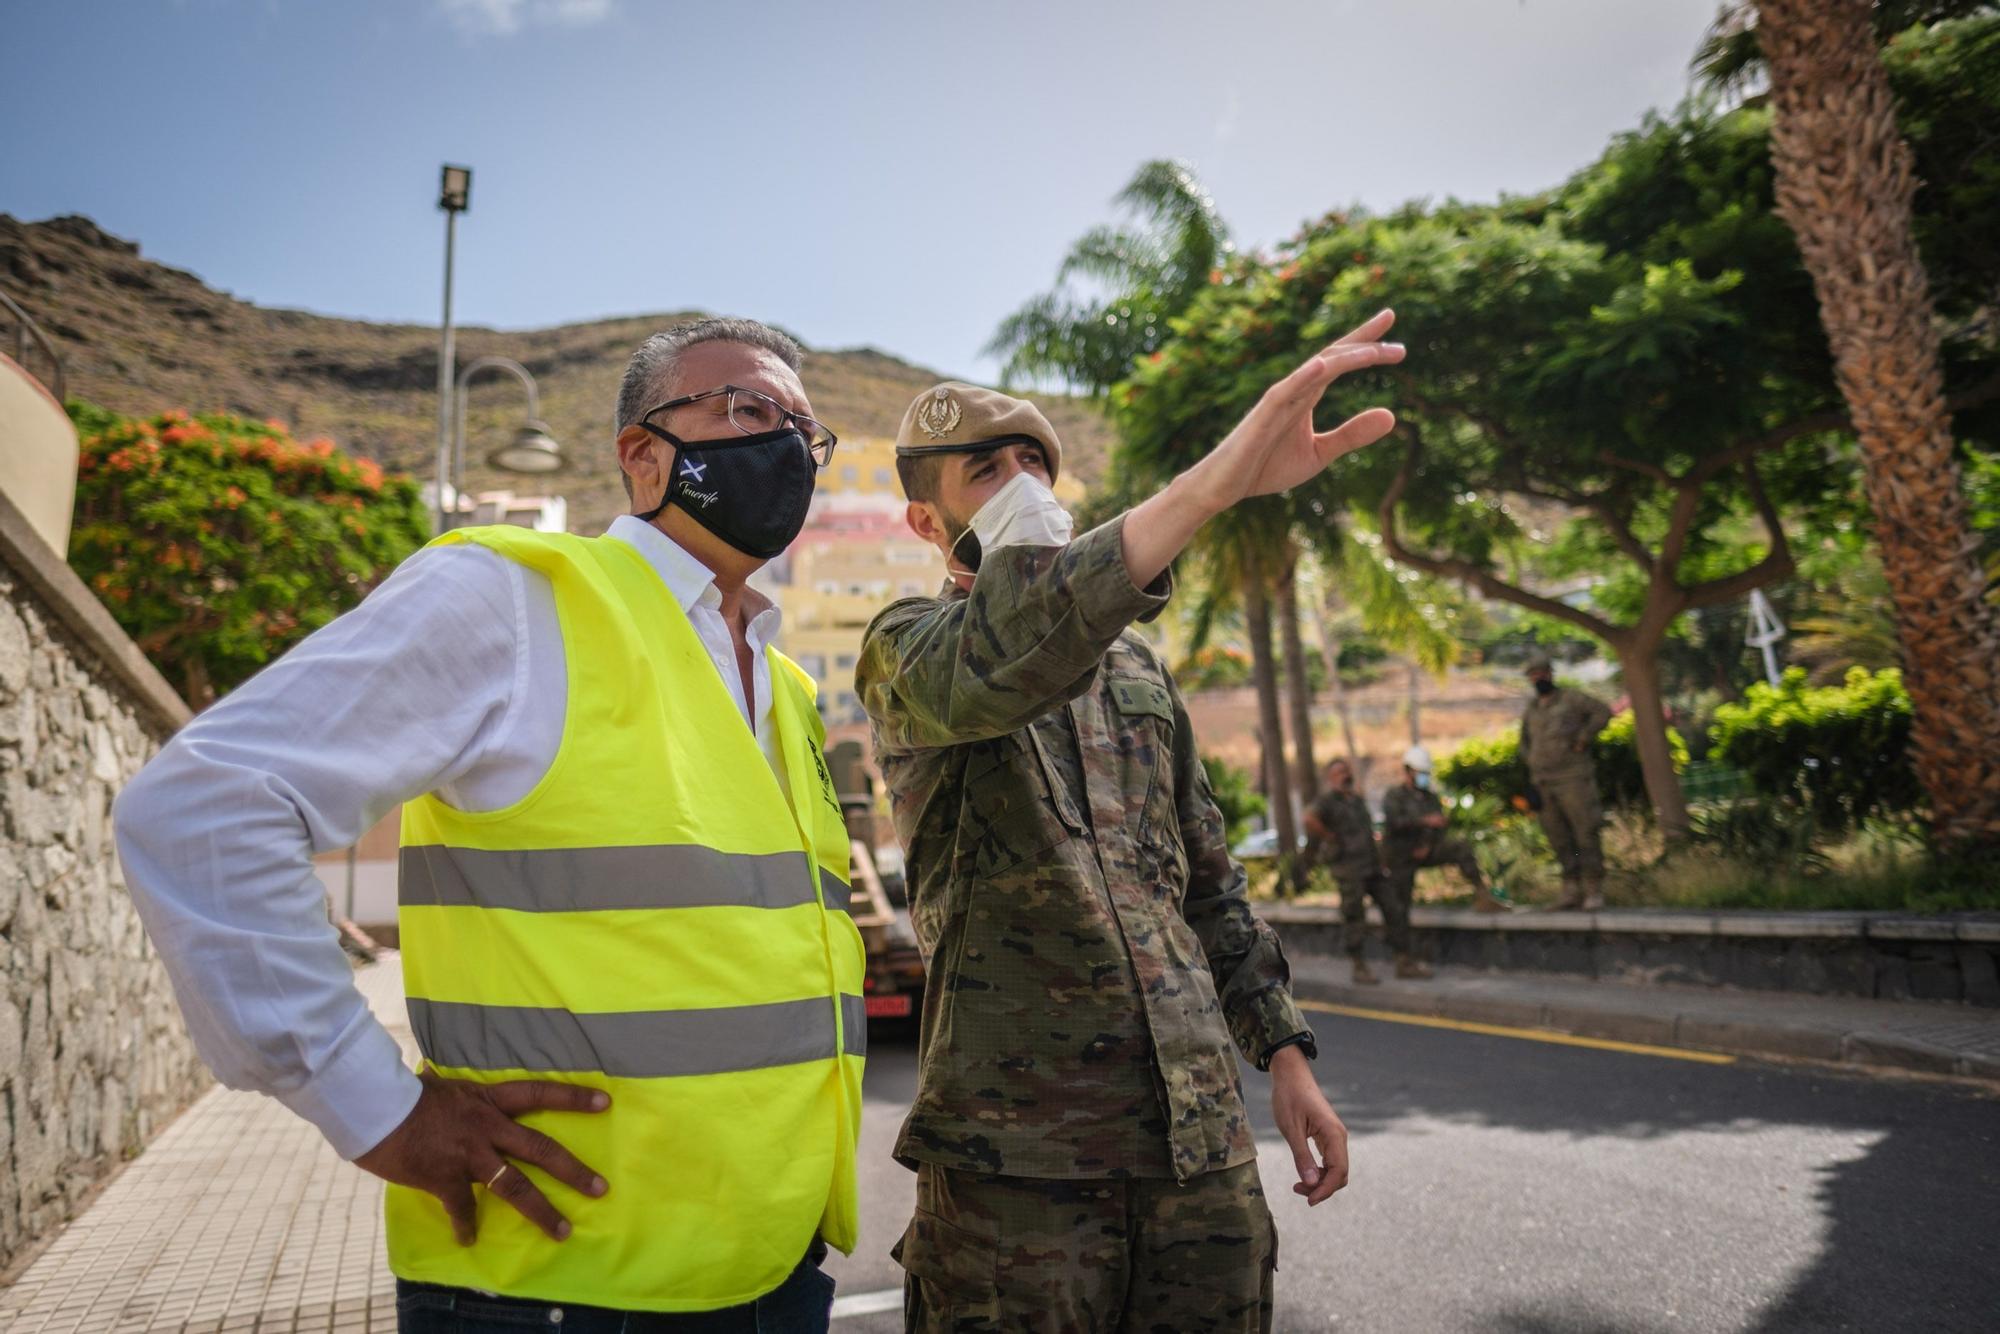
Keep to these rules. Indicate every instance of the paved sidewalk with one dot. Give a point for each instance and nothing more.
(238, 1218)
(1922, 1036)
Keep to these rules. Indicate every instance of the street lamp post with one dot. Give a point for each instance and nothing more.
(532, 449)
(454, 197)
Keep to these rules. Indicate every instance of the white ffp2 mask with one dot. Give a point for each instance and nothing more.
(1023, 513)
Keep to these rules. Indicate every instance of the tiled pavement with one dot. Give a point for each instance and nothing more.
(237, 1218)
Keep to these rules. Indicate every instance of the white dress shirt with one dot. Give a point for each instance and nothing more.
(449, 678)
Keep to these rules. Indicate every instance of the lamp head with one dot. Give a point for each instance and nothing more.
(533, 450)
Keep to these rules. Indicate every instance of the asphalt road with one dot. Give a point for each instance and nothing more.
(1510, 1185)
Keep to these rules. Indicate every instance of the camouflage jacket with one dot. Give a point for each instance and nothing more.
(1348, 846)
(1551, 727)
(1403, 828)
(1090, 945)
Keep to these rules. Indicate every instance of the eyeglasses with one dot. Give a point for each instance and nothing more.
(753, 413)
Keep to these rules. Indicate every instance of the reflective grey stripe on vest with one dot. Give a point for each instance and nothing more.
(839, 895)
(674, 875)
(639, 1044)
(853, 1025)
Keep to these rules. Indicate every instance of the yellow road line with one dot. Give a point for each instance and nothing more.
(1527, 1034)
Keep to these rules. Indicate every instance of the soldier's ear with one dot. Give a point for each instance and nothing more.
(927, 523)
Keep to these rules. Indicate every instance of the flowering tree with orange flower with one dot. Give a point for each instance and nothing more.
(218, 542)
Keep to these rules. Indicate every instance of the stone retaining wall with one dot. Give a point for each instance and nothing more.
(93, 1056)
(1879, 956)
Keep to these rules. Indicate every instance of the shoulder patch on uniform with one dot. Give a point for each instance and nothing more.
(1141, 697)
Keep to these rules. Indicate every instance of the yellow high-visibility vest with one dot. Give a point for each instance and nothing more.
(654, 919)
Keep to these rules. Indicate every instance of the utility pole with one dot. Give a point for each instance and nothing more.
(454, 197)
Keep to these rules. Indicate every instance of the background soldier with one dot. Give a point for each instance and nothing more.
(1084, 1160)
(1413, 823)
(1340, 824)
(1557, 728)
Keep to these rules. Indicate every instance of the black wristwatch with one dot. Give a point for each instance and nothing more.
(1303, 1039)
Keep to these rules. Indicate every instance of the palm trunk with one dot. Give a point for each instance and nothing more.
(1844, 185)
(1264, 671)
(1416, 705)
(1329, 649)
(1299, 692)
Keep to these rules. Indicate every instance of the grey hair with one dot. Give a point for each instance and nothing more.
(649, 375)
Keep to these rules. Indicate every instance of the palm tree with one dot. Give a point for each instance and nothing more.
(1844, 185)
(1139, 277)
(1731, 59)
(1136, 278)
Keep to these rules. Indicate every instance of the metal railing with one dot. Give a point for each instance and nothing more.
(26, 328)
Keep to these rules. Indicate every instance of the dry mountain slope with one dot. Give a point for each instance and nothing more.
(138, 336)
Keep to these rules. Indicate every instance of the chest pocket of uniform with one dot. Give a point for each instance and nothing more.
(1142, 711)
(1008, 812)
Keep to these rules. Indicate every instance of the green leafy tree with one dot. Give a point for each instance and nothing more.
(218, 542)
(1640, 347)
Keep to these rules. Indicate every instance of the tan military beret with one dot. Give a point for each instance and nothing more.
(954, 418)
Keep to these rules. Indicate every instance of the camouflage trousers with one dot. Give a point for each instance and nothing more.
(1447, 851)
(1356, 887)
(1142, 1255)
(1572, 817)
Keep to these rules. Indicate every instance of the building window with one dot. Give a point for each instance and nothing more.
(844, 663)
(881, 477)
(850, 475)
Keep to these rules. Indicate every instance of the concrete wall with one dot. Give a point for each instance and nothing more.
(1864, 955)
(93, 1057)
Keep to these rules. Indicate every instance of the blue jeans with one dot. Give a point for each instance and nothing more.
(802, 1304)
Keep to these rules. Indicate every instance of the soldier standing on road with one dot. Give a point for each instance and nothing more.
(1345, 832)
(1557, 728)
(1413, 822)
(1084, 1160)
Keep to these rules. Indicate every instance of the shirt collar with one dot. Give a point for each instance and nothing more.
(691, 582)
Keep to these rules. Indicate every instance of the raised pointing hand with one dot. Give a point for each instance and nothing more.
(1275, 447)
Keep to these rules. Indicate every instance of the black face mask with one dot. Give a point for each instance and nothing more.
(752, 491)
(1544, 686)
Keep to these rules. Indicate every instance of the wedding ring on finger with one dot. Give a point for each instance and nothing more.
(497, 1175)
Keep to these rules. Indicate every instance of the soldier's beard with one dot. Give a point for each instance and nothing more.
(964, 543)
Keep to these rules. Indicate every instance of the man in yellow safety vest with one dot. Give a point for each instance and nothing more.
(623, 875)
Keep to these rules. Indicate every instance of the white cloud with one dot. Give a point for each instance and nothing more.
(505, 17)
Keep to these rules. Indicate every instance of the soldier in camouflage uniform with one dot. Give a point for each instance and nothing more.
(1557, 729)
(1084, 1158)
(1344, 833)
(1414, 837)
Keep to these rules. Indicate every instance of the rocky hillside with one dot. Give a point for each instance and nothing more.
(138, 336)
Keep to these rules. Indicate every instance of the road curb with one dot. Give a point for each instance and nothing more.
(1666, 1028)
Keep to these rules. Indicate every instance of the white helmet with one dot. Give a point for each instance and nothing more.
(1416, 757)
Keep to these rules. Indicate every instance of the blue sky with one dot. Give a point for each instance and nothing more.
(893, 174)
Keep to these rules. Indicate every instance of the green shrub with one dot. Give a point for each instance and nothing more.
(1840, 752)
(1494, 767)
(1235, 796)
